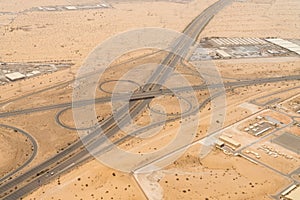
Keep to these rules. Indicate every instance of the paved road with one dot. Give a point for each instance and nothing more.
(255, 101)
(76, 154)
(155, 93)
(72, 81)
(109, 125)
(79, 157)
(30, 159)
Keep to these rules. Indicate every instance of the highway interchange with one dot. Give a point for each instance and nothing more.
(76, 151)
(83, 155)
(77, 154)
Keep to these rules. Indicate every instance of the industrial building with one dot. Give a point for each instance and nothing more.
(238, 41)
(291, 193)
(71, 7)
(223, 54)
(258, 129)
(15, 76)
(286, 44)
(235, 48)
(230, 142)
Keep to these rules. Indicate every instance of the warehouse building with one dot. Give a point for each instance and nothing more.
(15, 76)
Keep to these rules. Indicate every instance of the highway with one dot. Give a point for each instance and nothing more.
(110, 126)
(64, 84)
(34, 150)
(154, 93)
(77, 154)
(82, 156)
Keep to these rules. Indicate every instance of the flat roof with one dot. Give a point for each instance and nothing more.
(223, 54)
(15, 76)
(230, 141)
(294, 194)
(71, 7)
(262, 131)
(285, 44)
(219, 143)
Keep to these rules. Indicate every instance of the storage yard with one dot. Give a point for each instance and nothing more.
(288, 141)
(236, 48)
(10, 72)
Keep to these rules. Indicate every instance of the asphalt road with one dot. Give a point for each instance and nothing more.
(76, 146)
(33, 154)
(110, 125)
(76, 153)
(154, 93)
(43, 178)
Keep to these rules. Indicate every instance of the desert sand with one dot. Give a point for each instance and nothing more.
(71, 36)
(215, 177)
